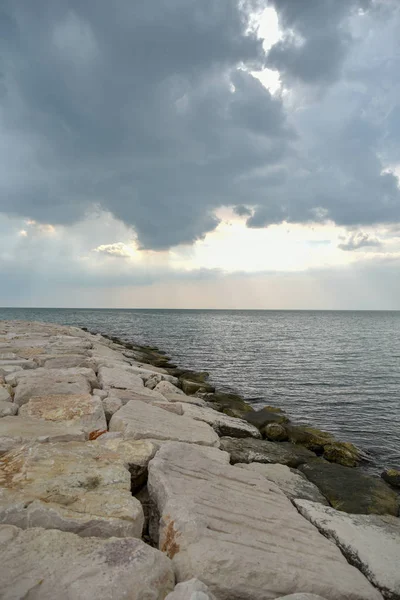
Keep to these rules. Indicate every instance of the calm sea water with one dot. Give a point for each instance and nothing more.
(337, 370)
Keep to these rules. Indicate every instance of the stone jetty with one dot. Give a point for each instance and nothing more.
(125, 477)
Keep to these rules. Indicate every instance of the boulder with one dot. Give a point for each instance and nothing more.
(136, 455)
(351, 490)
(56, 374)
(291, 481)
(102, 394)
(110, 406)
(17, 362)
(76, 410)
(392, 476)
(174, 407)
(45, 384)
(17, 430)
(275, 432)
(186, 399)
(49, 564)
(137, 420)
(251, 450)
(78, 487)
(119, 378)
(222, 424)
(191, 387)
(7, 409)
(142, 394)
(153, 380)
(147, 374)
(265, 416)
(310, 437)
(67, 361)
(343, 453)
(165, 387)
(239, 534)
(5, 395)
(230, 404)
(191, 590)
(370, 542)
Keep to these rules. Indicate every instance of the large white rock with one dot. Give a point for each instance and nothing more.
(142, 394)
(120, 378)
(88, 374)
(46, 383)
(292, 483)
(187, 399)
(5, 393)
(371, 542)
(166, 387)
(138, 420)
(240, 535)
(79, 487)
(67, 361)
(191, 590)
(17, 430)
(79, 410)
(7, 409)
(54, 565)
(222, 424)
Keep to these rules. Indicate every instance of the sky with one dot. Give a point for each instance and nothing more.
(200, 154)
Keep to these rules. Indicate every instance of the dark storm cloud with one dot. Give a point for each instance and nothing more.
(316, 38)
(144, 110)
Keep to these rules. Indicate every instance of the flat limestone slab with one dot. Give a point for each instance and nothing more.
(222, 424)
(292, 482)
(49, 382)
(240, 535)
(77, 410)
(370, 542)
(77, 487)
(138, 420)
(120, 378)
(15, 431)
(44, 564)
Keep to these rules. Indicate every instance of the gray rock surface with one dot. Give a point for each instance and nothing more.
(77, 410)
(191, 590)
(370, 542)
(138, 420)
(110, 406)
(78, 487)
(239, 534)
(45, 383)
(292, 482)
(222, 424)
(40, 564)
(120, 378)
(17, 430)
(252, 450)
(5, 394)
(7, 409)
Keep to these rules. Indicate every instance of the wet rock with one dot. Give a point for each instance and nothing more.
(291, 481)
(17, 430)
(265, 416)
(78, 487)
(251, 450)
(350, 490)
(239, 534)
(137, 420)
(7, 409)
(49, 564)
(275, 432)
(222, 424)
(191, 590)
(230, 404)
(82, 411)
(392, 476)
(191, 387)
(310, 437)
(370, 542)
(343, 453)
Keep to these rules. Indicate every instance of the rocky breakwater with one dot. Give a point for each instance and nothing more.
(122, 476)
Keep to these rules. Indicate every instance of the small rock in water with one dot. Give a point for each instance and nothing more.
(392, 476)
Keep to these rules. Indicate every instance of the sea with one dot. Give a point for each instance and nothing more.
(336, 370)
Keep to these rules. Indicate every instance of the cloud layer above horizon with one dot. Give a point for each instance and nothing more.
(135, 135)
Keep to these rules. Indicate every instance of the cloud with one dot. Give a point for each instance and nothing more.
(148, 112)
(118, 249)
(359, 239)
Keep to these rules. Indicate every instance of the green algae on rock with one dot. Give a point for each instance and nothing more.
(350, 490)
(392, 476)
(265, 416)
(275, 432)
(343, 453)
